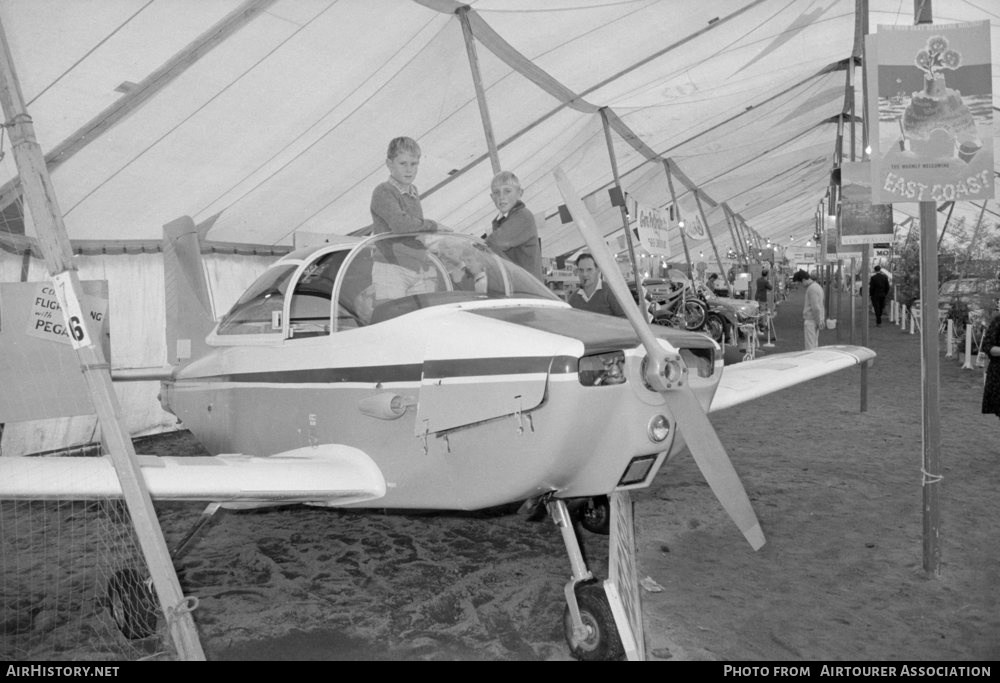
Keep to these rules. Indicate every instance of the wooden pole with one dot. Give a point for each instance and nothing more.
(677, 208)
(945, 228)
(639, 289)
(738, 245)
(930, 365)
(704, 219)
(40, 197)
(477, 81)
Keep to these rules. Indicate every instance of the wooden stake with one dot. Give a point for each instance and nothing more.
(40, 197)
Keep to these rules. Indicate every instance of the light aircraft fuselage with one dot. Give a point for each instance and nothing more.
(479, 388)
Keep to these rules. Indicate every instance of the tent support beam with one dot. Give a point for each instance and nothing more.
(708, 229)
(477, 81)
(40, 197)
(677, 207)
(151, 85)
(640, 292)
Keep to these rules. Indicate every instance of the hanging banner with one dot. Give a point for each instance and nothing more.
(930, 90)
(653, 225)
(694, 228)
(861, 222)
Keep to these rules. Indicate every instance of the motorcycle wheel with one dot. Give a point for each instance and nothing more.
(715, 326)
(694, 315)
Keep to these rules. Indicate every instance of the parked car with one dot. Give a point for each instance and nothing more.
(968, 296)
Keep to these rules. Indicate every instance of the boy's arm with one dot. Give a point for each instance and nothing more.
(516, 230)
(386, 206)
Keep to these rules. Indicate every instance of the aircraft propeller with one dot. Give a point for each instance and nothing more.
(667, 373)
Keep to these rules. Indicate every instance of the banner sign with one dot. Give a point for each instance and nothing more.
(930, 90)
(861, 222)
(652, 226)
(694, 228)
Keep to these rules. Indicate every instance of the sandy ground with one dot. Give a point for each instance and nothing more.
(841, 578)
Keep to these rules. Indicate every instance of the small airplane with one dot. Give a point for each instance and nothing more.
(424, 371)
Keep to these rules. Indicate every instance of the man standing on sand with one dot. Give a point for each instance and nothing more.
(878, 290)
(813, 311)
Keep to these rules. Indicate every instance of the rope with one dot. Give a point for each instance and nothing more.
(930, 478)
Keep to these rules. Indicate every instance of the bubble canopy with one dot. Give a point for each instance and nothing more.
(348, 286)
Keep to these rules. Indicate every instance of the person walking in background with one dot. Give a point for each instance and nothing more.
(592, 296)
(991, 389)
(813, 311)
(878, 290)
(763, 286)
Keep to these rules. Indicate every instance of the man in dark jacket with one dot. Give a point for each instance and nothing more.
(878, 290)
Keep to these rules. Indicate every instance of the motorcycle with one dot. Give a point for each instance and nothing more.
(678, 306)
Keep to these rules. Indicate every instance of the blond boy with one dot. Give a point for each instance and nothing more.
(514, 235)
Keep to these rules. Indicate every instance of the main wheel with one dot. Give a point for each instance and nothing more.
(130, 599)
(602, 642)
(595, 515)
(715, 327)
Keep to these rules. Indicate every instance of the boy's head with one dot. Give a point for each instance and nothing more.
(505, 191)
(403, 159)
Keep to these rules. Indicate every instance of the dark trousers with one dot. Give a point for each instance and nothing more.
(878, 303)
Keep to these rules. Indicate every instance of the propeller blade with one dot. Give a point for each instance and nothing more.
(710, 456)
(665, 371)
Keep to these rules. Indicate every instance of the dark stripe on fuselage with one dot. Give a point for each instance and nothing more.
(598, 332)
(435, 369)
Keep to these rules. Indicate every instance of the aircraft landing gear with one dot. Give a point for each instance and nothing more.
(598, 641)
(590, 626)
(595, 515)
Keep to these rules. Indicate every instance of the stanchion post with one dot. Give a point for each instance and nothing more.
(967, 365)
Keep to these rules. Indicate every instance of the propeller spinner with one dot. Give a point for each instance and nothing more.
(667, 373)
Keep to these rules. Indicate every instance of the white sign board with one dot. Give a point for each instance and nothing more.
(652, 226)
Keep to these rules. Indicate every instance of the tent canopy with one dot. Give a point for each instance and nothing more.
(261, 118)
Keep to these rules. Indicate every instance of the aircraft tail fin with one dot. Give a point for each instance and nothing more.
(190, 314)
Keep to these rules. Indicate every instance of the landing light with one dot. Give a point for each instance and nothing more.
(658, 429)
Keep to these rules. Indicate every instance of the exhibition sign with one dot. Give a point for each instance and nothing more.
(861, 222)
(930, 90)
(653, 225)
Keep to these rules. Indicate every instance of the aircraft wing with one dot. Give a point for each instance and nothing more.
(742, 382)
(327, 474)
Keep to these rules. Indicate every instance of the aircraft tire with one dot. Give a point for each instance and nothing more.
(602, 643)
(595, 515)
(131, 604)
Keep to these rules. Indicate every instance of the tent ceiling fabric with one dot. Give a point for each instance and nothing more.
(278, 120)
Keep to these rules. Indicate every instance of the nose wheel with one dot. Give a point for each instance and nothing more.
(597, 639)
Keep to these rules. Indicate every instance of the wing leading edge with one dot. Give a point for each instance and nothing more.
(753, 379)
(327, 474)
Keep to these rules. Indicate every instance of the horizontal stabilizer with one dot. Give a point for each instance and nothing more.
(329, 474)
(750, 380)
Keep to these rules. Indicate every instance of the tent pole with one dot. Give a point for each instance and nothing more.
(930, 364)
(708, 229)
(741, 247)
(677, 207)
(734, 235)
(477, 80)
(40, 197)
(945, 228)
(975, 238)
(144, 90)
(639, 290)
